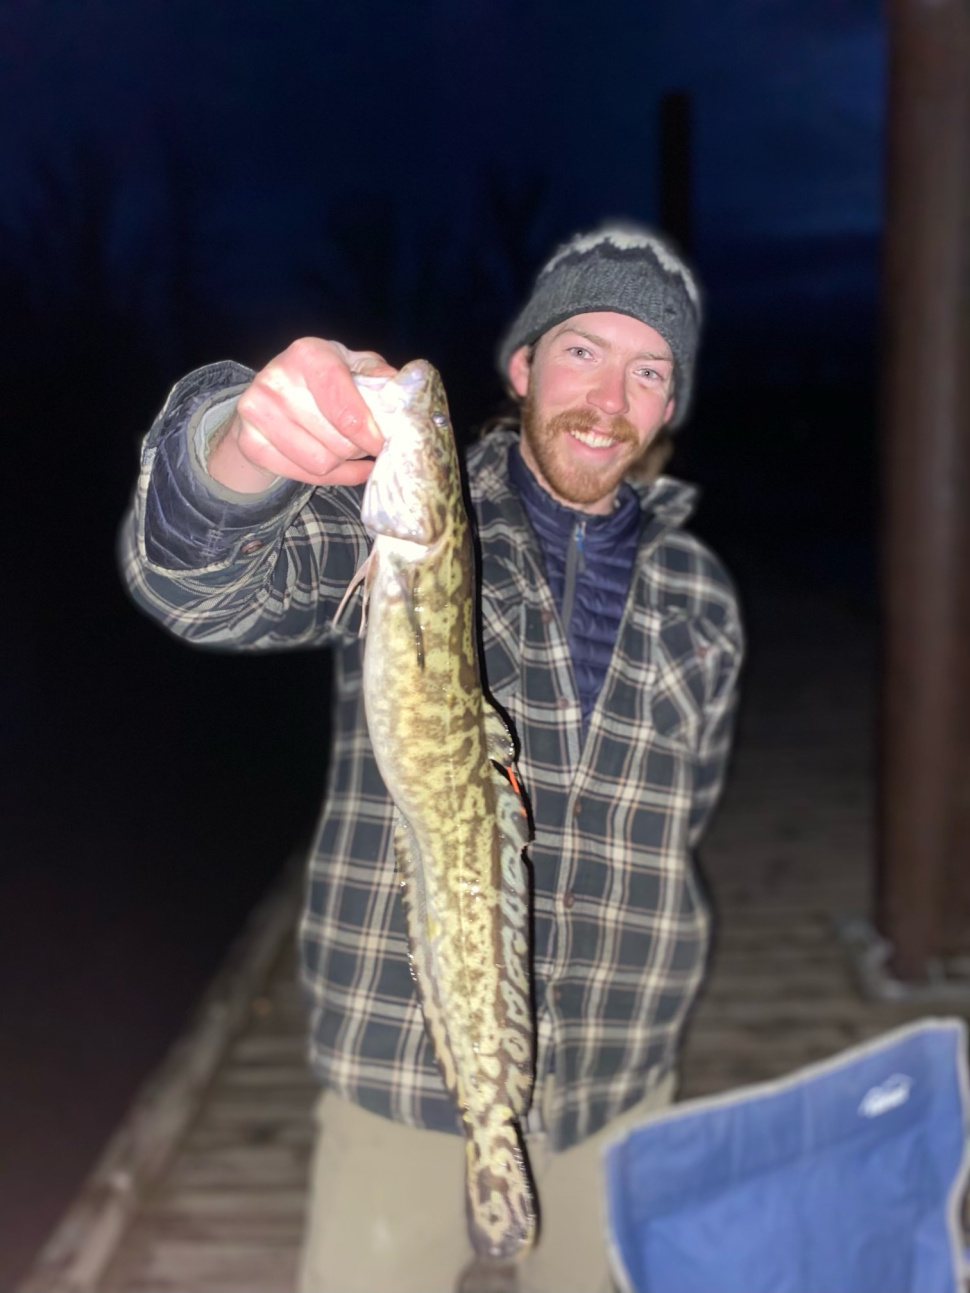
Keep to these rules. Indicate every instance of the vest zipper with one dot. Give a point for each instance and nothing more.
(575, 565)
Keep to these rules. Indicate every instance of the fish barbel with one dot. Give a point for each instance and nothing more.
(446, 757)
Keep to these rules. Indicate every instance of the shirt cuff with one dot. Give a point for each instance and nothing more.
(191, 520)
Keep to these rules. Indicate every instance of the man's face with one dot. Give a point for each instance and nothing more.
(598, 390)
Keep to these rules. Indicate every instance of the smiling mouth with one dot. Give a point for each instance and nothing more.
(594, 439)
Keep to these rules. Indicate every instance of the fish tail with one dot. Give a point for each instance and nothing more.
(499, 1195)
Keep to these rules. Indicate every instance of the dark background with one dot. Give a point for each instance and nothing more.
(189, 182)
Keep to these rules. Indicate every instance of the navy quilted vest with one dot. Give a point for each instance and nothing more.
(589, 562)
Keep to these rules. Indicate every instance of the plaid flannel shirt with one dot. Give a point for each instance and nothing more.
(621, 927)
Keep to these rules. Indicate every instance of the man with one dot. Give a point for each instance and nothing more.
(612, 639)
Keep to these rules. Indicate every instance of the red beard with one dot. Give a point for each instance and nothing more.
(575, 482)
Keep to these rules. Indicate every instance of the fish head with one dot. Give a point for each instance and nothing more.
(410, 491)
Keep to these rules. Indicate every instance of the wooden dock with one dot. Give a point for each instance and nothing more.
(203, 1187)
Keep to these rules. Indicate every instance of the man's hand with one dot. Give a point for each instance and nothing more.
(302, 417)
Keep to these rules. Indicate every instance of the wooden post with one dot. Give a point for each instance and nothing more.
(927, 471)
(675, 146)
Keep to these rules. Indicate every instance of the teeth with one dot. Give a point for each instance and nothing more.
(594, 440)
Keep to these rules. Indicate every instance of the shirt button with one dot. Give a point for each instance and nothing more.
(563, 702)
(546, 617)
(568, 899)
(577, 807)
(253, 545)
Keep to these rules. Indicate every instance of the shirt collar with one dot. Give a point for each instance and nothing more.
(553, 520)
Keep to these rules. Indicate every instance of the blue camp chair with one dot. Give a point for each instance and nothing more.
(847, 1177)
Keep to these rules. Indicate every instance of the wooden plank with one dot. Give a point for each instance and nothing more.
(294, 1076)
(81, 1248)
(805, 988)
(209, 1266)
(233, 1166)
(264, 1047)
(262, 1109)
(255, 1205)
(208, 1137)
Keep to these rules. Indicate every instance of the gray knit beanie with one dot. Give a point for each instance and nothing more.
(625, 268)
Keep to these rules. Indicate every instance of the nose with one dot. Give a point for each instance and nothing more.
(608, 392)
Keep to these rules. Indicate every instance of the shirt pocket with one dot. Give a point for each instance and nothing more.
(688, 660)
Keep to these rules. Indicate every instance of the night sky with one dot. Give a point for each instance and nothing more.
(189, 182)
(239, 130)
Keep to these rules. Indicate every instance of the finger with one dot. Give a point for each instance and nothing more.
(265, 455)
(353, 472)
(317, 389)
(328, 378)
(279, 415)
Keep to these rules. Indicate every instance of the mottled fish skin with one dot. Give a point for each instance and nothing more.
(461, 824)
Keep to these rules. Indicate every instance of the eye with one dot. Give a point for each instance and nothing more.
(652, 376)
(581, 352)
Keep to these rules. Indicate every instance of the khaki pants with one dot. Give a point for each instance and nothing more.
(387, 1209)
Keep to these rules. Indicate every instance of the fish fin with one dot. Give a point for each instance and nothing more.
(500, 1198)
(511, 807)
(498, 738)
(364, 574)
(421, 944)
(500, 746)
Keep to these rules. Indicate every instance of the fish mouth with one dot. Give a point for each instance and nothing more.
(395, 394)
(402, 499)
(391, 508)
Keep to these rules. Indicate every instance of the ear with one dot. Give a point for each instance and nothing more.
(519, 369)
(669, 411)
